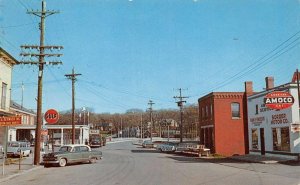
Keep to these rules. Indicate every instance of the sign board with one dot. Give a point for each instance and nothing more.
(10, 121)
(94, 131)
(51, 116)
(295, 127)
(279, 100)
(44, 132)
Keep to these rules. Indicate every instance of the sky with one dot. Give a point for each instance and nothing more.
(133, 51)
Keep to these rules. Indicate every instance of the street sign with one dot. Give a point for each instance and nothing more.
(10, 121)
(279, 100)
(51, 116)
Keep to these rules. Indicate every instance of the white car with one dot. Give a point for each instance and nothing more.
(16, 148)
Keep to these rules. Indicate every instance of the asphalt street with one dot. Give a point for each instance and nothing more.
(127, 164)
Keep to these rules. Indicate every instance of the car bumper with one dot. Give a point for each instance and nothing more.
(51, 162)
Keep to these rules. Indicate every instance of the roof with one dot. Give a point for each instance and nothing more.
(10, 59)
(18, 107)
(223, 95)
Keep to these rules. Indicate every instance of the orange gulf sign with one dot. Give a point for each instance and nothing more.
(279, 100)
(10, 121)
(51, 116)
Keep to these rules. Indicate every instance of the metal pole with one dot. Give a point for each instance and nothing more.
(121, 128)
(168, 133)
(141, 125)
(5, 149)
(298, 89)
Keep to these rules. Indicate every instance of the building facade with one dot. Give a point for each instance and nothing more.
(223, 121)
(274, 131)
(6, 64)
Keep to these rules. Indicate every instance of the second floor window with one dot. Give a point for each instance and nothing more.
(3, 97)
(235, 110)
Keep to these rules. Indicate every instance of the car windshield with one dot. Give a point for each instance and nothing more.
(65, 149)
(13, 144)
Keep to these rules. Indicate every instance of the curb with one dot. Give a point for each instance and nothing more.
(21, 173)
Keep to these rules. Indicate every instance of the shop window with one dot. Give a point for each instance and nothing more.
(255, 139)
(235, 110)
(281, 139)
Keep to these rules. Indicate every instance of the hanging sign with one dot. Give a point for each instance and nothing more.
(279, 100)
(10, 121)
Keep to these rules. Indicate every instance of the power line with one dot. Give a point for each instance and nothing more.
(261, 61)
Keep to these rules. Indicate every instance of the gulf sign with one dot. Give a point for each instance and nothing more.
(279, 100)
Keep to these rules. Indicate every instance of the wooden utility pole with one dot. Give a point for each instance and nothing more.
(41, 62)
(151, 120)
(180, 105)
(72, 77)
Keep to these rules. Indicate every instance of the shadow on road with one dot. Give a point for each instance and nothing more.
(145, 151)
(192, 159)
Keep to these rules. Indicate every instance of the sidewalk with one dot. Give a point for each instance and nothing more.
(12, 170)
(254, 158)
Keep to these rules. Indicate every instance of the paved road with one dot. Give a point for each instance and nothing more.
(127, 164)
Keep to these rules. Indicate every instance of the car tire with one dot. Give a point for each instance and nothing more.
(62, 162)
(92, 160)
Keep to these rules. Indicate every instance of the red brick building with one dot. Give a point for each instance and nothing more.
(223, 122)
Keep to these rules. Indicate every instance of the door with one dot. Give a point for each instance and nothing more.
(262, 141)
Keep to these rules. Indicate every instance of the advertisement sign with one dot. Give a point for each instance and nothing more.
(51, 116)
(10, 121)
(94, 131)
(279, 100)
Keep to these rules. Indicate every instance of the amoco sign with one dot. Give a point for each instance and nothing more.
(279, 100)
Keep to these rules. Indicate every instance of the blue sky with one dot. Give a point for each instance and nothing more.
(129, 52)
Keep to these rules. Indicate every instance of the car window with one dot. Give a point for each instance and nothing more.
(65, 149)
(84, 149)
(77, 149)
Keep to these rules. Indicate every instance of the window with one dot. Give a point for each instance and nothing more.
(235, 110)
(77, 149)
(256, 109)
(211, 111)
(202, 114)
(281, 139)
(84, 149)
(206, 111)
(255, 139)
(3, 98)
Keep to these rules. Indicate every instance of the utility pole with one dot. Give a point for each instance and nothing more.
(41, 62)
(72, 77)
(151, 121)
(180, 105)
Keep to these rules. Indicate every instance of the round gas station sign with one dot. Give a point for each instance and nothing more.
(51, 116)
(279, 100)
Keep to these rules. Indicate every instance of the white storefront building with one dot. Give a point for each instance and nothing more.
(274, 132)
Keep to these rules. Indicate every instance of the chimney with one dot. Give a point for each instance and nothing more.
(249, 88)
(269, 82)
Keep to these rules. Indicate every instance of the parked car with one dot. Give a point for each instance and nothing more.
(167, 147)
(95, 143)
(71, 154)
(148, 144)
(17, 148)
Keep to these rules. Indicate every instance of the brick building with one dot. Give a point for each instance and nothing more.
(223, 122)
